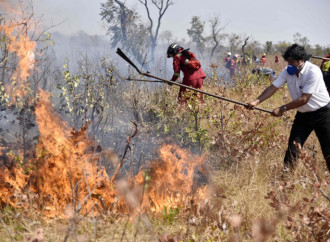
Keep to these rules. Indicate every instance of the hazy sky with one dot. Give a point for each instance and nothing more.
(263, 20)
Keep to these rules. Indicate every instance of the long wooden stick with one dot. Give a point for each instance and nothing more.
(319, 57)
(141, 80)
(121, 54)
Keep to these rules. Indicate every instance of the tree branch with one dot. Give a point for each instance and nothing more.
(245, 43)
(145, 3)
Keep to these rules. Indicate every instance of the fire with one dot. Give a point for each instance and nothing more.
(65, 178)
(20, 44)
(65, 164)
(65, 174)
(12, 184)
(172, 179)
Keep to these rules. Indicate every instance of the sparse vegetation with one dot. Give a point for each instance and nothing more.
(248, 196)
(217, 175)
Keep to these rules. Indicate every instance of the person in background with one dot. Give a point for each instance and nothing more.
(227, 58)
(246, 59)
(237, 58)
(309, 96)
(325, 68)
(277, 59)
(264, 71)
(255, 59)
(233, 65)
(263, 59)
(185, 61)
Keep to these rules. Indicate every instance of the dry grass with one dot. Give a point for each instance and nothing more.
(250, 198)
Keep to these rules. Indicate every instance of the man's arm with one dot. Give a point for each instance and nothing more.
(292, 105)
(267, 93)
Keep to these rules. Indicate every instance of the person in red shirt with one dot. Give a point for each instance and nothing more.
(227, 58)
(233, 64)
(191, 76)
(277, 59)
(263, 59)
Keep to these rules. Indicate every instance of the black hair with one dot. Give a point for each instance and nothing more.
(295, 52)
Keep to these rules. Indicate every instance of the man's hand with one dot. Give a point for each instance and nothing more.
(277, 112)
(252, 104)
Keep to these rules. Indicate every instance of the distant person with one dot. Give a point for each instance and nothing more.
(309, 96)
(237, 58)
(264, 71)
(255, 59)
(227, 58)
(246, 59)
(185, 61)
(263, 59)
(232, 65)
(277, 59)
(325, 68)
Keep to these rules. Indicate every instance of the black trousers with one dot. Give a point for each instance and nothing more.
(303, 125)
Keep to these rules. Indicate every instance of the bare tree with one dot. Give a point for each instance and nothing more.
(243, 46)
(215, 30)
(162, 6)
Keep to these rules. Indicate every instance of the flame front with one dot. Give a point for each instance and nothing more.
(65, 173)
(171, 182)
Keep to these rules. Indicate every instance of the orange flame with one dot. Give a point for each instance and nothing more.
(65, 174)
(64, 171)
(12, 183)
(65, 164)
(172, 179)
(19, 43)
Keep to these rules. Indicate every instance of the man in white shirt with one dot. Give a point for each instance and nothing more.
(309, 96)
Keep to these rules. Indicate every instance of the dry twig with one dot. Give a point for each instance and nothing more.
(125, 152)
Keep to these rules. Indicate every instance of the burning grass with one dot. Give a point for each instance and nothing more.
(171, 179)
(63, 191)
(247, 199)
(65, 175)
(63, 172)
